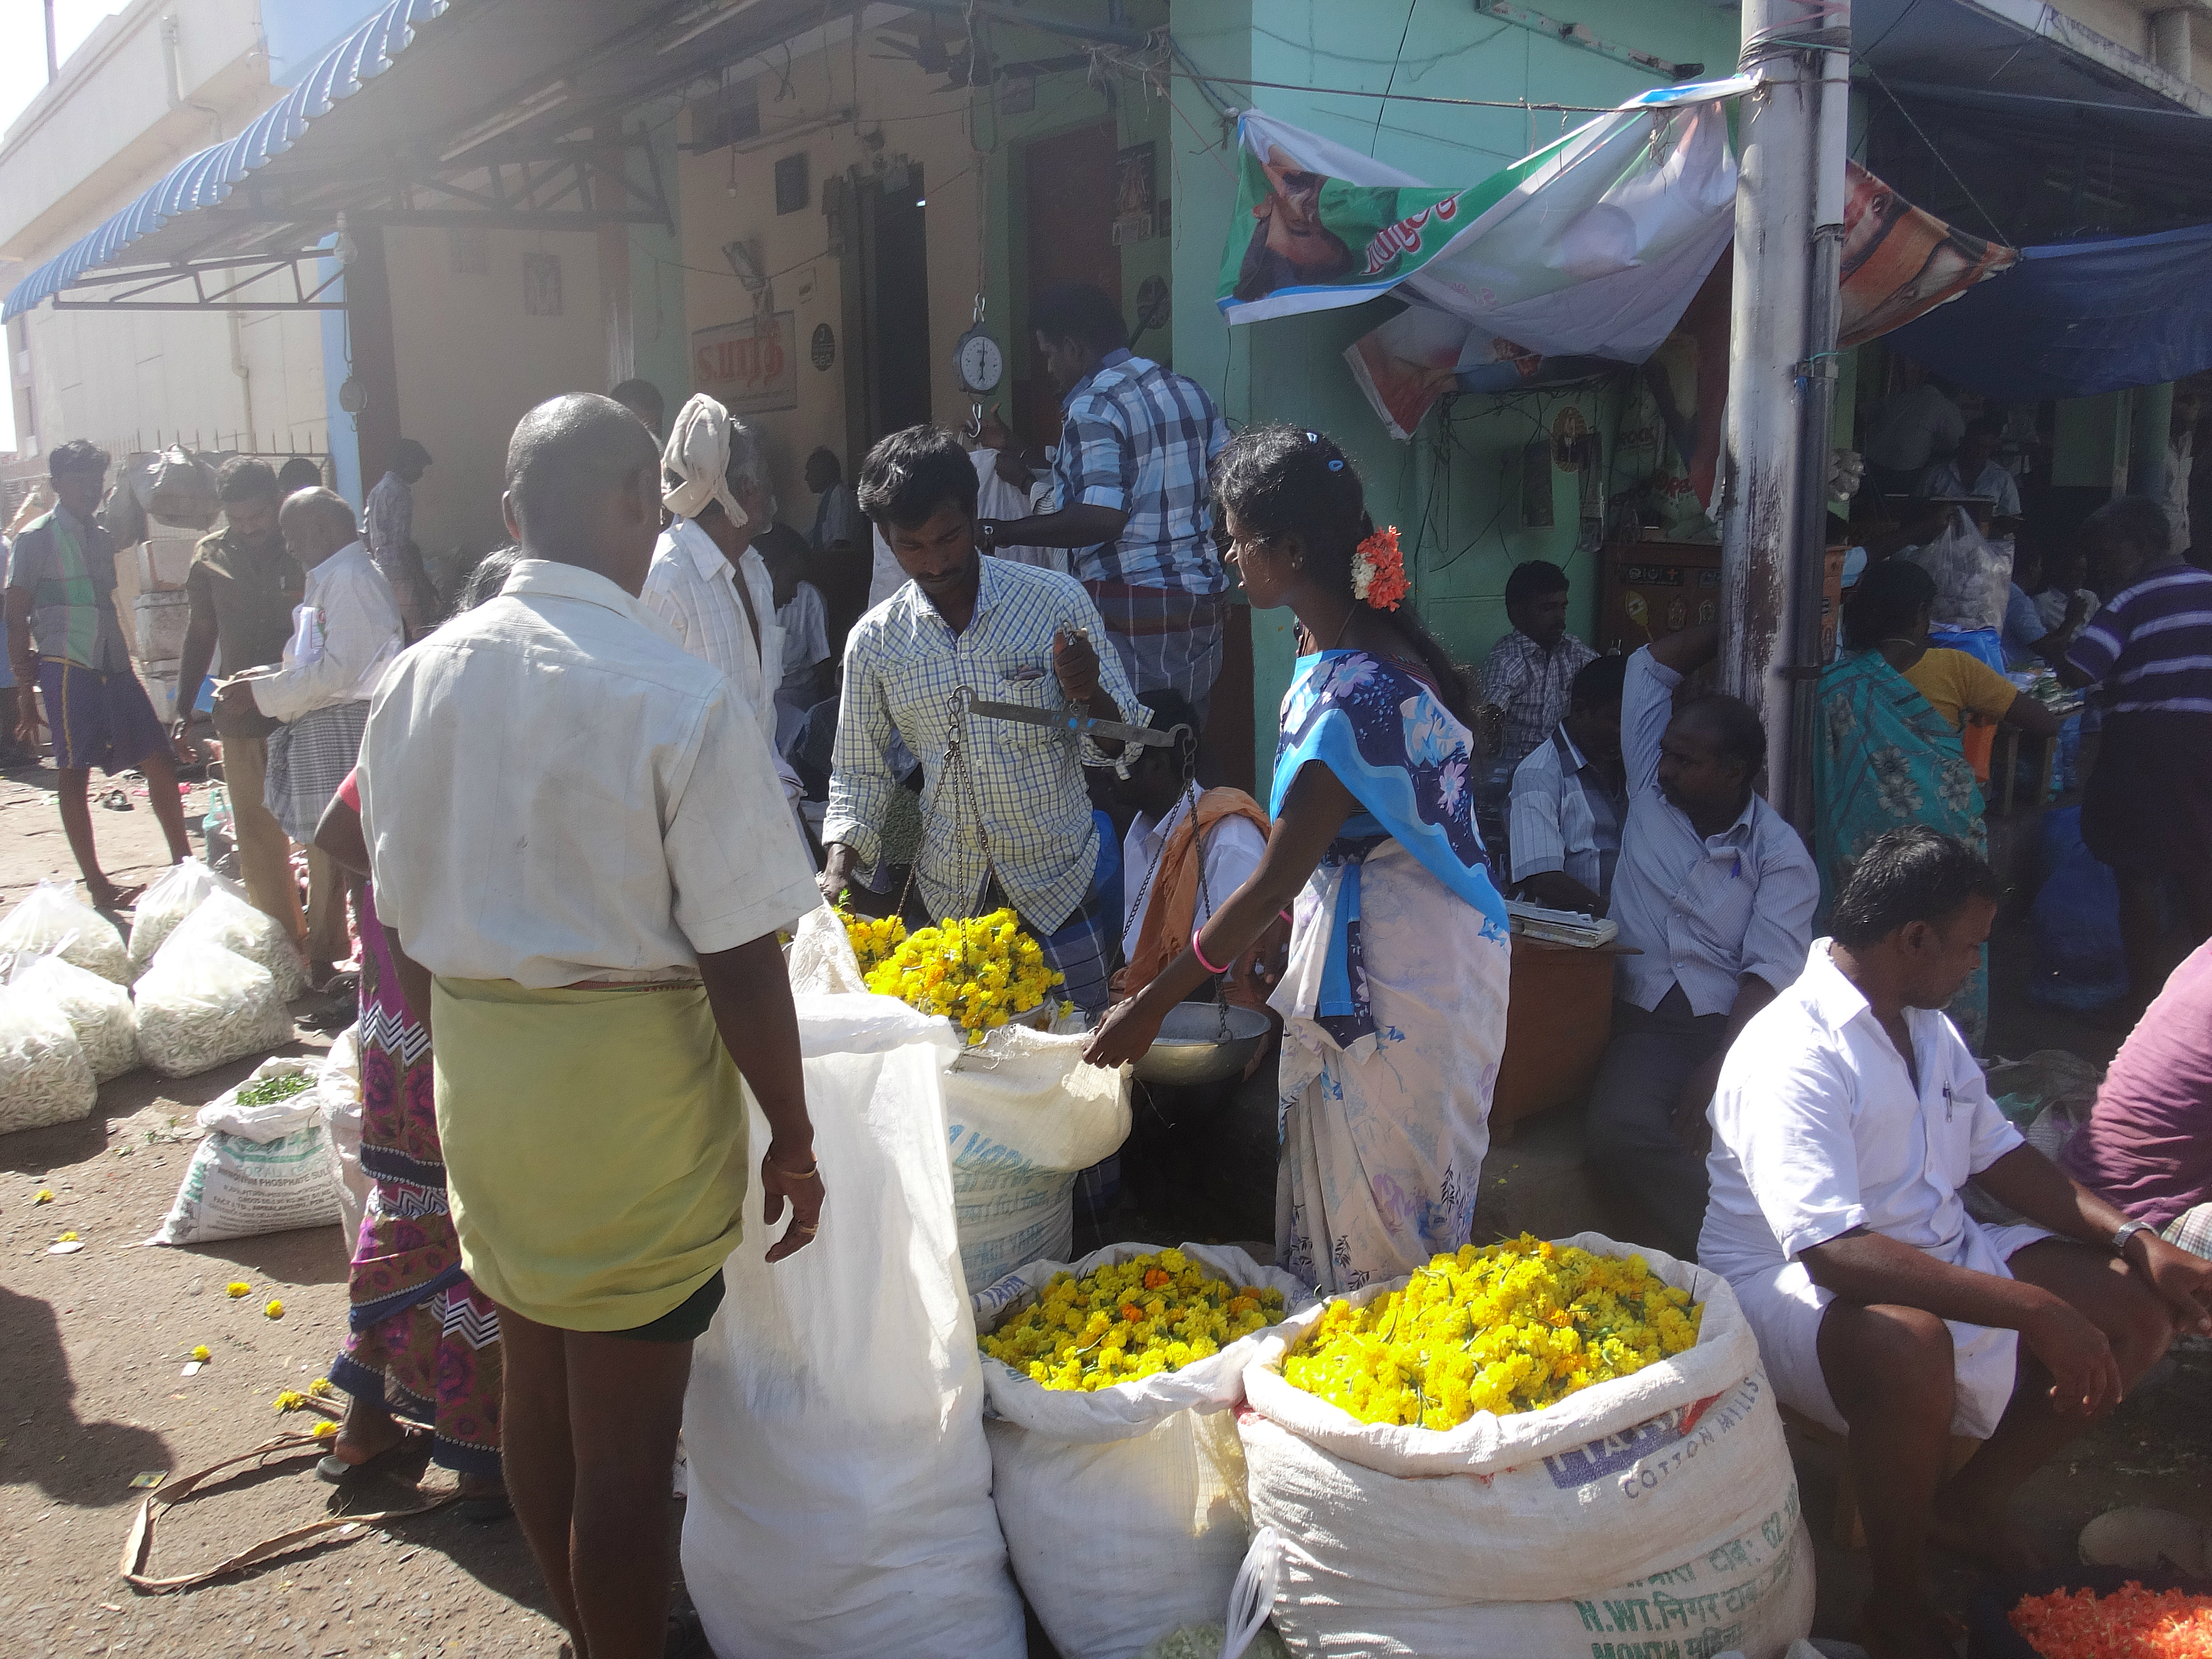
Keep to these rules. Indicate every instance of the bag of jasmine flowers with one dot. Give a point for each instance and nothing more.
(1610, 1465)
(1113, 1456)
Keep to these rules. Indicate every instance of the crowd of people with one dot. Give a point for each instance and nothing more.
(570, 819)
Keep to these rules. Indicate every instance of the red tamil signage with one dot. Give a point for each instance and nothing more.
(750, 367)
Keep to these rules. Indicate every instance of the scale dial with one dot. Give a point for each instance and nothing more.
(979, 362)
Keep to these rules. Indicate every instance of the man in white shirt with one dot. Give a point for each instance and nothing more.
(708, 582)
(1166, 894)
(391, 516)
(1716, 892)
(1973, 473)
(1850, 1113)
(575, 831)
(344, 634)
(1916, 424)
(1571, 798)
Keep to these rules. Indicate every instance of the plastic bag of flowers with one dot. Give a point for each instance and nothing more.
(222, 918)
(199, 1006)
(99, 1010)
(172, 898)
(1633, 1479)
(45, 1077)
(52, 920)
(1114, 1457)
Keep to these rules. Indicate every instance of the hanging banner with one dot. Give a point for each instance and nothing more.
(1898, 262)
(1648, 188)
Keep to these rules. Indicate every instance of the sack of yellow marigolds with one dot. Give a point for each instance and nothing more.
(1526, 1451)
(979, 972)
(1115, 1460)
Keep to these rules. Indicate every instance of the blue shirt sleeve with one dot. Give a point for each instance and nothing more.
(2023, 623)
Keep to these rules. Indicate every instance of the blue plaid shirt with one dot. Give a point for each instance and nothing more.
(1139, 438)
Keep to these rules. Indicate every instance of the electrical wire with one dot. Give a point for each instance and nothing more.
(1390, 85)
(1897, 104)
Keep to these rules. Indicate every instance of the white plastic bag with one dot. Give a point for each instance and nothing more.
(98, 1010)
(1662, 1502)
(840, 1487)
(1973, 575)
(201, 1005)
(43, 1075)
(226, 1115)
(52, 920)
(338, 1097)
(1024, 1115)
(1140, 1485)
(224, 918)
(167, 901)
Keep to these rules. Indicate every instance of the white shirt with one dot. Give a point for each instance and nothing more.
(1908, 425)
(1704, 910)
(805, 629)
(553, 792)
(692, 588)
(1818, 1127)
(1234, 847)
(390, 523)
(997, 498)
(345, 632)
(1565, 817)
(887, 576)
(1993, 484)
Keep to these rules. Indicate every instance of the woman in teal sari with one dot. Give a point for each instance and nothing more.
(1884, 756)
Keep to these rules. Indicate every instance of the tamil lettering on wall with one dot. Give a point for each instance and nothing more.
(750, 367)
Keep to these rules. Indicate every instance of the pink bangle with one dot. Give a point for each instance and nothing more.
(1201, 955)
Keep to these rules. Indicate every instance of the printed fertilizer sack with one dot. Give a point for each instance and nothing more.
(1659, 1505)
(265, 1165)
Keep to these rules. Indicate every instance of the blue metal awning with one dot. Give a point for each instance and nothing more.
(207, 179)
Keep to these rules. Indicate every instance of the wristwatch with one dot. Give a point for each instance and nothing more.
(2127, 1231)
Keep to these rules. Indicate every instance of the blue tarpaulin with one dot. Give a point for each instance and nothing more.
(2076, 318)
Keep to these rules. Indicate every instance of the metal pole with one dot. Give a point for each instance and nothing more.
(1775, 454)
(53, 59)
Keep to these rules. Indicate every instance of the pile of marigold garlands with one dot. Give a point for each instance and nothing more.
(2131, 1623)
(1514, 1327)
(979, 972)
(1131, 1319)
(873, 939)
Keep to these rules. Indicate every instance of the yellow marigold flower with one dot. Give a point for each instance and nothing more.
(321, 1388)
(66, 1238)
(202, 1354)
(236, 1288)
(45, 1195)
(325, 1430)
(290, 1401)
(275, 1310)
(1514, 1327)
(1092, 1332)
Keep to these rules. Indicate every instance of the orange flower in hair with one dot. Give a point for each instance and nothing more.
(1378, 570)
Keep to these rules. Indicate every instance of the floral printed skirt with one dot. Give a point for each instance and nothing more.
(424, 1342)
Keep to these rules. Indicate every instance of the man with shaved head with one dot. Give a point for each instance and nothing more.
(576, 832)
(345, 632)
(1716, 892)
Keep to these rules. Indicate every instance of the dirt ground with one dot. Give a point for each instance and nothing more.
(94, 1343)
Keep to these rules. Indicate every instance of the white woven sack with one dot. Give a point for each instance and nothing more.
(1617, 1482)
(1024, 1115)
(839, 1485)
(337, 1099)
(1140, 1485)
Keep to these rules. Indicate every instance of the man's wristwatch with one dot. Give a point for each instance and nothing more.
(2127, 1231)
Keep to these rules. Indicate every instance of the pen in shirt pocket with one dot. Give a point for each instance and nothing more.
(1946, 1102)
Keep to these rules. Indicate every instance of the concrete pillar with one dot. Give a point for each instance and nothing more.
(2170, 46)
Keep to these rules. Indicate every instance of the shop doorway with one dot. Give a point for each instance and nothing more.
(887, 313)
(1067, 193)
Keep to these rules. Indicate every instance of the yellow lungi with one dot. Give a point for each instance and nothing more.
(595, 1145)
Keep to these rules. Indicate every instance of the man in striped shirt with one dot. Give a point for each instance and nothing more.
(1137, 443)
(2147, 809)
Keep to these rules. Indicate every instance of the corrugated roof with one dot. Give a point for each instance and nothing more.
(207, 179)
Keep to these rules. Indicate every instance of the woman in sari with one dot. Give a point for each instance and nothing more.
(1884, 756)
(1395, 997)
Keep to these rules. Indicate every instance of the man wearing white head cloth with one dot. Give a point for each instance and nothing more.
(707, 582)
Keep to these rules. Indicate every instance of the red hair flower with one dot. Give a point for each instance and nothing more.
(1378, 570)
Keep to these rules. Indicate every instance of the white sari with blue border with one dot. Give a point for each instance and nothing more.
(1394, 1000)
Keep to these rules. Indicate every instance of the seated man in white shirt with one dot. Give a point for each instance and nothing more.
(1716, 892)
(1167, 895)
(1571, 798)
(1849, 1113)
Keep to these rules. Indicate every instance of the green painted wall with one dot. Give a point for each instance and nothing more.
(1454, 492)
(659, 338)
